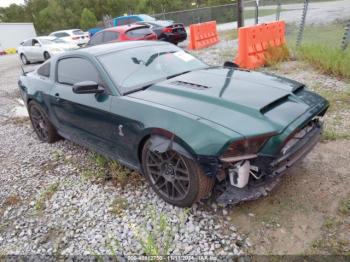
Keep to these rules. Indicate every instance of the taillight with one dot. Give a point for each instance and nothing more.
(167, 30)
(248, 146)
(75, 37)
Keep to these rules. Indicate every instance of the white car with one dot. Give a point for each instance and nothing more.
(39, 49)
(74, 36)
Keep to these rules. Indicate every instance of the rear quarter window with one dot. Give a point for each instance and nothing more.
(62, 34)
(78, 32)
(44, 70)
(138, 32)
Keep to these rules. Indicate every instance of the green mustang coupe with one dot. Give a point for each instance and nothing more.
(191, 129)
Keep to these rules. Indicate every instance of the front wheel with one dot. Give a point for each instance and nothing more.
(24, 59)
(47, 56)
(175, 178)
(45, 131)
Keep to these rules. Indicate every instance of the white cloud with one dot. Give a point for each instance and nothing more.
(5, 3)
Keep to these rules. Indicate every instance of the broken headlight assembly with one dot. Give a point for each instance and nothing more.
(244, 149)
(237, 158)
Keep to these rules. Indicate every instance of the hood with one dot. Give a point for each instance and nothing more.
(246, 102)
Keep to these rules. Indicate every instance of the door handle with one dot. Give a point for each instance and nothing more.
(57, 96)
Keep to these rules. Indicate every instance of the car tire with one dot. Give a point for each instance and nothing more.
(175, 178)
(42, 126)
(47, 56)
(24, 59)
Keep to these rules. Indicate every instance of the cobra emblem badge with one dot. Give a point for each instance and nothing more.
(120, 129)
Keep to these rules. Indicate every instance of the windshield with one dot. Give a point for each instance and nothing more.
(135, 68)
(147, 18)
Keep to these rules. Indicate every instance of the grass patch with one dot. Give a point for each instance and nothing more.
(20, 120)
(332, 135)
(276, 55)
(331, 246)
(330, 223)
(344, 207)
(12, 200)
(329, 35)
(118, 206)
(100, 160)
(320, 47)
(46, 195)
(110, 170)
(157, 238)
(336, 120)
(248, 13)
(95, 176)
(332, 61)
(228, 34)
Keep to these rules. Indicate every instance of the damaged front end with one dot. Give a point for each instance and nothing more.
(252, 176)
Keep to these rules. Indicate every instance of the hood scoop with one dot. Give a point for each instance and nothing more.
(298, 89)
(190, 85)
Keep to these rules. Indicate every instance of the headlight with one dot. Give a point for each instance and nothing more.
(245, 149)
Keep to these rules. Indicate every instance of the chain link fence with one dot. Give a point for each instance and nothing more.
(221, 14)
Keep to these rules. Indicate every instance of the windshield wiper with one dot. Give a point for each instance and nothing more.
(178, 74)
(138, 89)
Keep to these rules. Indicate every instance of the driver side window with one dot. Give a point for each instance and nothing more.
(34, 42)
(74, 70)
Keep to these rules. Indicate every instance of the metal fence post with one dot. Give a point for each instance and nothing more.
(240, 22)
(256, 12)
(278, 11)
(346, 38)
(302, 23)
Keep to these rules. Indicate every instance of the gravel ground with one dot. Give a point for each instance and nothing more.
(54, 201)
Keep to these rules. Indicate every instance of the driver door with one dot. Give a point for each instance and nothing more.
(83, 118)
(37, 52)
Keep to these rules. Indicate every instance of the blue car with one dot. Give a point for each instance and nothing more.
(130, 19)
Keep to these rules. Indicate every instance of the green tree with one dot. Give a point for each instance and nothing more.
(14, 13)
(87, 19)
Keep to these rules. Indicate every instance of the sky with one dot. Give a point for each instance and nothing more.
(5, 3)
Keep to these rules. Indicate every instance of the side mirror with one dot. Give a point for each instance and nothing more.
(87, 87)
(230, 64)
(37, 44)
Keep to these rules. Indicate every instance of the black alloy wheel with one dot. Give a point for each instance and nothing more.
(175, 178)
(45, 131)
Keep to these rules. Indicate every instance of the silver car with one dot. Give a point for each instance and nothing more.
(39, 49)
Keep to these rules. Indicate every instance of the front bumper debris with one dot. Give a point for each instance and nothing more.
(273, 170)
(234, 195)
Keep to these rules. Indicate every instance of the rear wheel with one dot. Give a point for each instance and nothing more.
(45, 131)
(46, 56)
(24, 59)
(175, 178)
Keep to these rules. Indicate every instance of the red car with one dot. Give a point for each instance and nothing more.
(122, 33)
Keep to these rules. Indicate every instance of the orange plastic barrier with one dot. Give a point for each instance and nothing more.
(253, 41)
(203, 35)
